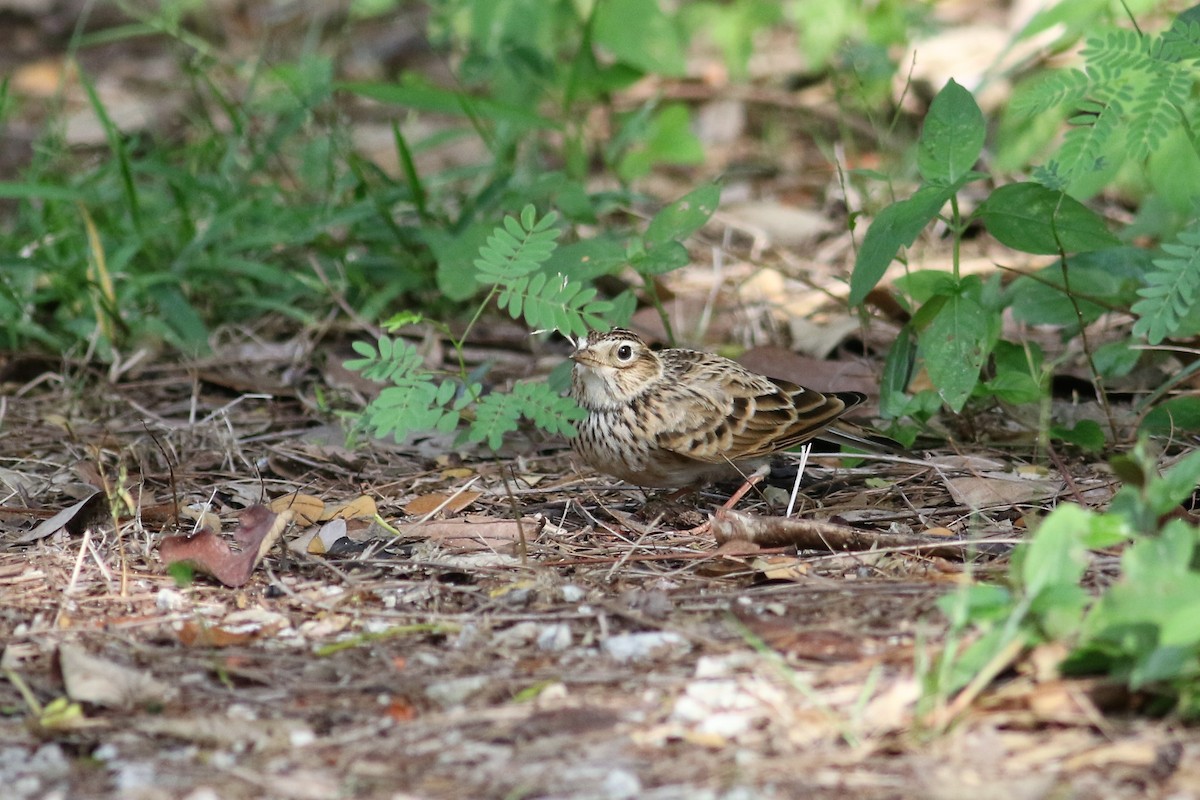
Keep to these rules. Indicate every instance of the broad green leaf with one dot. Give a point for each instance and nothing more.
(1174, 416)
(1116, 359)
(1086, 434)
(661, 258)
(683, 217)
(923, 284)
(640, 34)
(951, 137)
(455, 254)
(894, 227)
(1017, 388)
(587, 259)
(1033, 219)
(1055, 555)
(666, 139)
(1175, 485)
(955, 346)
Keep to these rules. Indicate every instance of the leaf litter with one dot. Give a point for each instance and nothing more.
(453, 634)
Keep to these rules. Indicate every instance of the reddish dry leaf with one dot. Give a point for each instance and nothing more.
(258, 529)
(195, 634)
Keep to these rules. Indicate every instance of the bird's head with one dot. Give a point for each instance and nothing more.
(611, 368)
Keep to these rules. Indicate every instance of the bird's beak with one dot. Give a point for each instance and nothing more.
(582, 354)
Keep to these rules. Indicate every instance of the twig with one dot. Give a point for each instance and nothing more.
(806, 534)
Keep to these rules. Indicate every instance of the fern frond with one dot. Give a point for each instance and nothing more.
(554, 303)
(1084, 146)
(389, 361)
(1172, 291)
(498, 414)
(547, 409)
(1065, 88)
(517, 248)
(418, 405)
(1180, 42)
(1118, 51)
(1157, 111)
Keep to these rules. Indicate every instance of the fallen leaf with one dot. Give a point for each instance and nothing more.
(781, 568)
(451, 504)
(478, 532)
(361, 507)
(998, 491)
(72, 519)
(258, 529)
(306, 508)
(238, 627)
(329, 533)
(91, 679)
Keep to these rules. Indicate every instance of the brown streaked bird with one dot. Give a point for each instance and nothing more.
(675, 417)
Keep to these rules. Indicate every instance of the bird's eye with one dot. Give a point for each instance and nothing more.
(624, 352)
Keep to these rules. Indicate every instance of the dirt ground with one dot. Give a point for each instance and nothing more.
(622, 655)
(437, 623)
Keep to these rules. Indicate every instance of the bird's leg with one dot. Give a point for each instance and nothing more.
(751, 479)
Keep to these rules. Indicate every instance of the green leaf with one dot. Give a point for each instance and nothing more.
(683, 217)
(1173, 417)
(455, 254)
(588, 259)
(1086, 434)
(666, 139)
(924, 284)
(955, 346)
(1055, 556)
(1116, 359)
(951, 137)
(897, 372)
(894, 227)
(660, 259)
(1033, 219)
(1172, 291)
(1177, 484)
(444, 101)
(1015, 387)
(641, 35)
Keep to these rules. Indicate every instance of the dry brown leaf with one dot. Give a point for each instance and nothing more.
(781, 568)
(91, 679)
(237, 628)
(305, 508)
(258, 529)
(428, 503)
(457, 473)
(478, 532)
(72, 519)
(1000, 491)
(361, 507)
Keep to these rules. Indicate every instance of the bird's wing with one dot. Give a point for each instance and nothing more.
(716, 411)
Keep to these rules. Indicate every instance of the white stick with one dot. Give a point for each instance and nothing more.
(804, 451)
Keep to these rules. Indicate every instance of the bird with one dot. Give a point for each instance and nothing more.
(676, 418)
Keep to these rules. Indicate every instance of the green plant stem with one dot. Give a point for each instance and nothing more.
(656, 301)
(957, 229)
